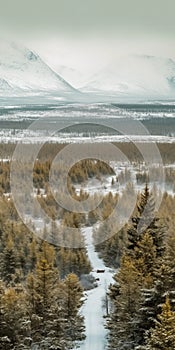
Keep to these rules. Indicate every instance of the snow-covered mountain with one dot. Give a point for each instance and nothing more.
(24, 74)
(136, 76)
(23, 71)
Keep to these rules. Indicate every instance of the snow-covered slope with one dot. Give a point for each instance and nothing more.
(136, 75)
(21, 70)
(75, 77)
(4, 85)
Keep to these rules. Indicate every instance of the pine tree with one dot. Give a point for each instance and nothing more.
(73, 302)
(163, 336)
(32, 257)
(145, 221)
(153, 296)
(47, 298)
(40, 288)
(15, 323)
(9, 262)
(125, 296)
(145, 255)
(134, 233)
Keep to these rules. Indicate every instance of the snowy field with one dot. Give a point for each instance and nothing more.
(41, 123)
(30, 137)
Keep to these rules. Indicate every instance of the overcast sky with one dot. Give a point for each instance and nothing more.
(145, 16)
(86, 34)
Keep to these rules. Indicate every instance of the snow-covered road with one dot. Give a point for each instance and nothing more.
(94, 309)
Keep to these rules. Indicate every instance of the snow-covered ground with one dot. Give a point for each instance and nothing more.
(102, 123)
(87, 110)
(40, 137)
(94, 308)
(104, 185)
